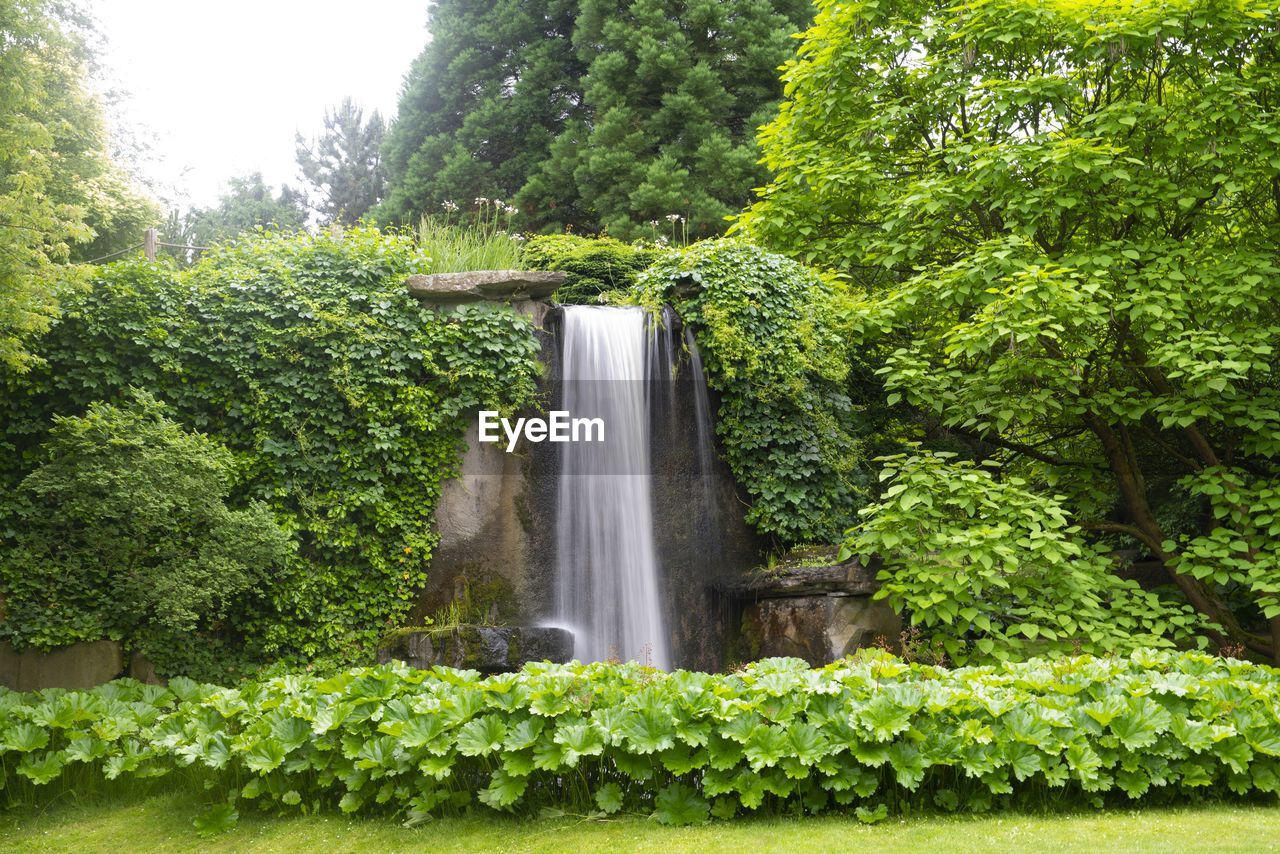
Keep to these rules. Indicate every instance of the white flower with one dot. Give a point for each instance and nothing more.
(481, 200)
(674, 217)
(653, 223)
(517, 237)
(662, 240)
(449, 206)
(510, 210)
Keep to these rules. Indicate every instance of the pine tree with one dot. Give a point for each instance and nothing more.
(594, 114)
(344, 165)
(481, 104)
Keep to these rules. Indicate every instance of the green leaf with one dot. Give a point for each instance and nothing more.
(219, 819)
(679, 805)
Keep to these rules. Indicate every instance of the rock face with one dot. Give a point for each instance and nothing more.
(501, 285)
(818, 613)
(76, 667)
(497, 523)
(489, 649)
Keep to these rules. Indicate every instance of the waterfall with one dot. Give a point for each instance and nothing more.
(608, 590)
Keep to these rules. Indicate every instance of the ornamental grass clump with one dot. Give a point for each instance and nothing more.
(869, 735)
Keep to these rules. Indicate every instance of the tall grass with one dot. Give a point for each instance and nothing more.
(479, 239)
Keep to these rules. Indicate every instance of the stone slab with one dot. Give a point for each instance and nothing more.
(76, 667)
(496, 285)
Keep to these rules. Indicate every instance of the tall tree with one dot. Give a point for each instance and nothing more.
(248, 204)
(61, 197)
(673, 95)
(1065, 218)
(344, 165)
(482, 103)
(593, 114)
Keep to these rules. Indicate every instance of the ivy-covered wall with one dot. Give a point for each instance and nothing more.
(342, 400)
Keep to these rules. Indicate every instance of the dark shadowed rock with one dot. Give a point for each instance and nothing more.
(489, 649)
(838, 579)
(819, 629)
(504, 285)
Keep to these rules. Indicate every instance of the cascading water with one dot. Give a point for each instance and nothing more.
(608, 590)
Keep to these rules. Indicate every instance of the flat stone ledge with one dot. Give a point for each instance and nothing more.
(850, 578)
(493, 285)
(489, 649)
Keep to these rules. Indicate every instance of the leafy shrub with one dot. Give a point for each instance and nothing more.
(593, 265)
(342, 399)
(866, 734)
(988, 568)
(124, 530)
(772, 336)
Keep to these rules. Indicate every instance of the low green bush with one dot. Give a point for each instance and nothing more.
(871, 734)
(593, 265)
(123, 531)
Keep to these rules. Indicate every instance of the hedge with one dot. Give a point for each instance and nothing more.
(871, 734)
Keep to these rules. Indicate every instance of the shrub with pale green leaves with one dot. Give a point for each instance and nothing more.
(988, 568)
(869, 735)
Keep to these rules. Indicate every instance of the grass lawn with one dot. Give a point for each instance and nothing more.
(163, 823)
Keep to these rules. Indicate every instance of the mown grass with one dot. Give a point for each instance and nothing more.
(163, 823)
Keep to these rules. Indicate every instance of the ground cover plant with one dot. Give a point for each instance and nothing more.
(871, 734)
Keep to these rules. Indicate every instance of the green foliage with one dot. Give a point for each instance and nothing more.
(669, 117)
(123, 531)
(58, 187)
(593, 265)
(478, 238)
(774, 340)
(595, 114)
(480, 106)
(992, 569)
(1085, 285)
(344, 165)
(867, 735)
(342, 399)
(247, 206)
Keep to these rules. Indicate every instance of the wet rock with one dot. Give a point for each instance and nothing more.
(489, 649)
(850, 578)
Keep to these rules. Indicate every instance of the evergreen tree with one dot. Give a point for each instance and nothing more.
(344, 165)
(482, 103)
(595, 114)
(674, 92)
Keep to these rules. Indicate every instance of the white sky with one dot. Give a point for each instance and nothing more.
(221, 87)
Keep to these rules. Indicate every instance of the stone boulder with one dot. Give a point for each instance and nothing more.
(819, 629)
(494, 285)
(489, 649)
(814, 607)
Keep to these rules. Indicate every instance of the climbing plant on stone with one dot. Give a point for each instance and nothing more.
(341, 398)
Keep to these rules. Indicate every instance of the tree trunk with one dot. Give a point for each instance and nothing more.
(1124, 465)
